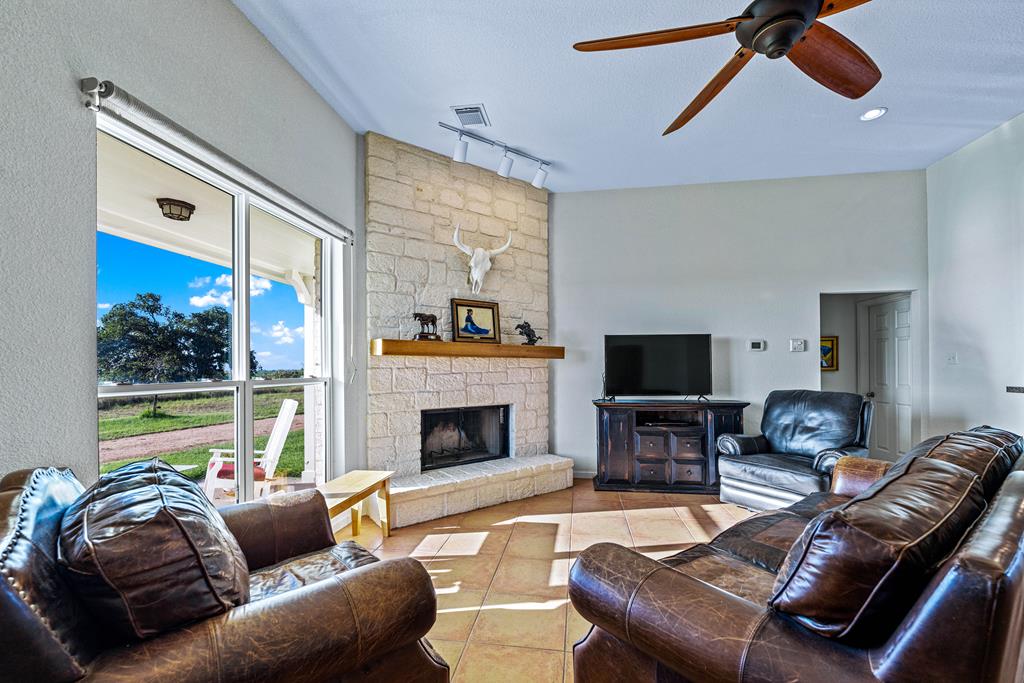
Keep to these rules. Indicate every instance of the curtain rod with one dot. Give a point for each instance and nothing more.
(107, 97)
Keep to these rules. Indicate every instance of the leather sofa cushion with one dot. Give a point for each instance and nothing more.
(724, 571)
(857, 569)
(813, 505)
(990, 454)
(780, 471)
(1014, 443)
(147, 552)
(307, 569)
(808, 422)
(762, 540)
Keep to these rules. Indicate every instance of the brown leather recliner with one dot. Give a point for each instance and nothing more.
(716, 612)
(318, 611)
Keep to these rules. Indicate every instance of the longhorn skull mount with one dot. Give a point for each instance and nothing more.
(479, 259)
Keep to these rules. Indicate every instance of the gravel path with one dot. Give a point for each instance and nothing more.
(146, 445)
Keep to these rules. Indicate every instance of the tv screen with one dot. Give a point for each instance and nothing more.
(657, 365)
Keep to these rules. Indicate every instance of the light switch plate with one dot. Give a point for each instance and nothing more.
(797, 345)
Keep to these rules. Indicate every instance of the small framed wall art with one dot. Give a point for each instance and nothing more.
(475, 321)
(829, 354)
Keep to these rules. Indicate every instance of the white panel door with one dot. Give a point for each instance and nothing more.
(891, 377)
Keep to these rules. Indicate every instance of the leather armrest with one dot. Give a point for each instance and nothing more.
(826, 460)
(852, 476)
(312, 634)
(742, 444)
(692, 627)
(280, 527)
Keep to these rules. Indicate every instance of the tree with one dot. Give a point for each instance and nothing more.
(145, 341)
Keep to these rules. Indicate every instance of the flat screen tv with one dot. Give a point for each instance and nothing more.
(657, 365)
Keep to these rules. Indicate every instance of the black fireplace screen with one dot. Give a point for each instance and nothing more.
(456, 436)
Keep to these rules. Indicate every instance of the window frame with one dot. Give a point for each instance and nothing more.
(241, 384)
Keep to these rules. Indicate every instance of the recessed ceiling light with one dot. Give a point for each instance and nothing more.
(873, 114)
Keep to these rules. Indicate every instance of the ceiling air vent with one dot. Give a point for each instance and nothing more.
(471, 115)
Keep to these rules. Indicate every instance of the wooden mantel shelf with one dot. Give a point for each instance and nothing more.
(409, 347)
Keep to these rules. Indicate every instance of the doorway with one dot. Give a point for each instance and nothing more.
(886, 324)
(872, 345)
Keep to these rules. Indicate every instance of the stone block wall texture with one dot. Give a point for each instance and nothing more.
(414, 200)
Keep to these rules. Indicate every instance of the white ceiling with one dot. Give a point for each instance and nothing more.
(952, 71)
(128, 183)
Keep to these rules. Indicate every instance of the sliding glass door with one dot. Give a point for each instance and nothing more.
(213, 325)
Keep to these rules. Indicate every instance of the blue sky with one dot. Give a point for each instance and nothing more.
(125, 268)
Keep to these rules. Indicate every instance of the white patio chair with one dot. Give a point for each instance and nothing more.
(220, 472)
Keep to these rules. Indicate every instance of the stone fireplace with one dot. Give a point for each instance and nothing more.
(414, 200)
(459, 436)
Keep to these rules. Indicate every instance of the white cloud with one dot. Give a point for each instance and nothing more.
(300, 331)
(282, 333)
(199, 282)
(211, 298)
(103, 306)
(258, 285)
(263, 354)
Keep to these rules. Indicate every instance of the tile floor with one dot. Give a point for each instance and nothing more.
(501, 573)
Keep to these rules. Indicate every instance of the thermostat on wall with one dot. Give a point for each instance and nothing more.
(756, 345)
(798, 345)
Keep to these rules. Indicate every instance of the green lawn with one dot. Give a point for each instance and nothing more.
(120, 419)
(290, 465)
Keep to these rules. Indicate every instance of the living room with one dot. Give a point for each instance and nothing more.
(649, 421)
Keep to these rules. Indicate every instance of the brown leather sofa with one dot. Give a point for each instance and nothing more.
(730, 610)
(318, 611)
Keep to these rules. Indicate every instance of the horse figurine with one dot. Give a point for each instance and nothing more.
(428, 327)
(525, 329)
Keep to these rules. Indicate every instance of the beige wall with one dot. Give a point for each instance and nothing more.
(976, 263)
(414, 200)
(839, 318)
(737, 260)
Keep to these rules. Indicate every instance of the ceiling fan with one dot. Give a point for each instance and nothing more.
(774, 28)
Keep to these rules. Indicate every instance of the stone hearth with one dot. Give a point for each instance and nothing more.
(453, 490)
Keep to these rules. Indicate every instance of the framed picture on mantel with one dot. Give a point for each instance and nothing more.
(475, 321)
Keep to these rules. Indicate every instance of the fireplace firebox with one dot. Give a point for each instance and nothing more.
(457, 436)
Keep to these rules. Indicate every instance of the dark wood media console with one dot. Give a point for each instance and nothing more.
(666, 446)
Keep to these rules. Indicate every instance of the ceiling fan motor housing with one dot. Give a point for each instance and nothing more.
(777, 25)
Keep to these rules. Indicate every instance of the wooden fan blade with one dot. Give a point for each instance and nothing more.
(670, 35)
(711, 90)
(830, 7)
(833, 60)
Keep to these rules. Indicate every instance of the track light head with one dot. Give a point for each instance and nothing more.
(540, 177)
(505, 167)
(461, 149)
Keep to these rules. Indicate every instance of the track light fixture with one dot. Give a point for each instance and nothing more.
(505, 167)
(461, 149)
(540, 177)
(507, 158)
